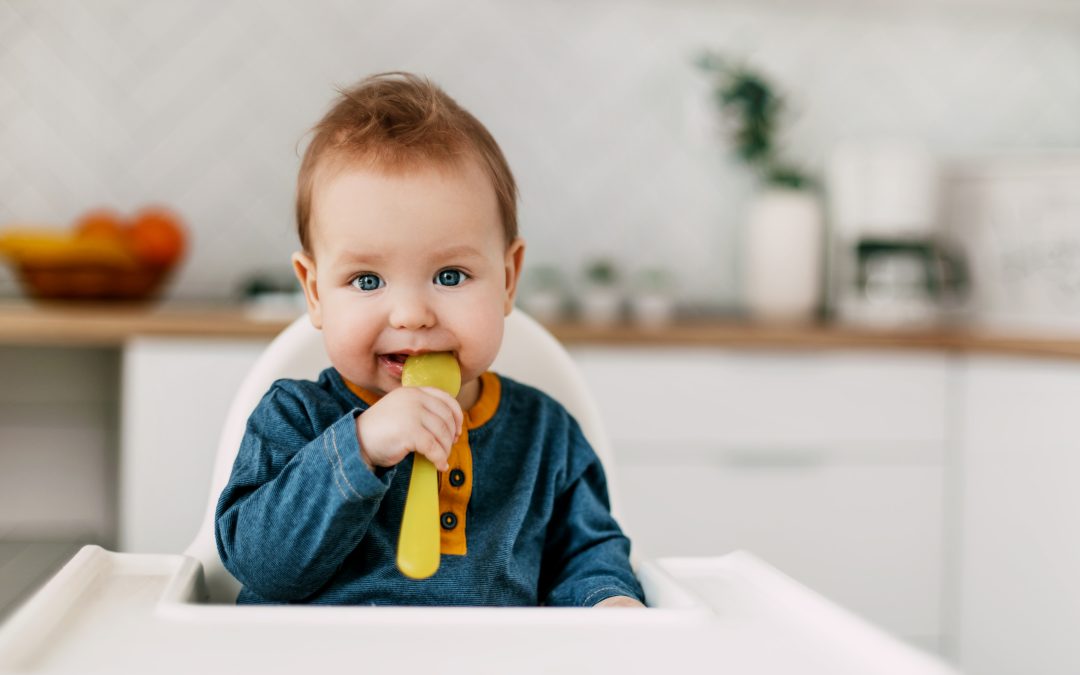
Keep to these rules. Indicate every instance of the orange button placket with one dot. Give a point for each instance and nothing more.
(456, 499)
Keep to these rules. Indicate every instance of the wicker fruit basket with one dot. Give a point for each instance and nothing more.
(87, 281)
(103, 257)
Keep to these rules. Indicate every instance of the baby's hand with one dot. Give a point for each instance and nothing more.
(619, 601)
(422, 419)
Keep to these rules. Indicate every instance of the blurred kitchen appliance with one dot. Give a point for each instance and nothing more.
(1018, 216)
(888, 264)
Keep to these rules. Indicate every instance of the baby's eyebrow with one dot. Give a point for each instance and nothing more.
(458, 251)
(356, 257)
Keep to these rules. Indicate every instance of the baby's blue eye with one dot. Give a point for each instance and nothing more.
(367, 282)
(450, 277)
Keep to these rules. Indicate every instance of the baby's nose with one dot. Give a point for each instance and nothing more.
(411, 311)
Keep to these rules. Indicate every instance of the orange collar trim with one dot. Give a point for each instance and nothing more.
(476, 416)
(363, 394)
(488, 402)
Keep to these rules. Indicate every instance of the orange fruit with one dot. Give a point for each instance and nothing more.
(157, 236)
(103, 223)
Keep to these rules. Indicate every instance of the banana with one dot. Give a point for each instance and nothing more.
(39, 247)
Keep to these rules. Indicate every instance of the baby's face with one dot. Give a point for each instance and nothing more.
(408, 263)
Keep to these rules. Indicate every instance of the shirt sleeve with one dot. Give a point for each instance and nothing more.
(298, 501)
(586, 555)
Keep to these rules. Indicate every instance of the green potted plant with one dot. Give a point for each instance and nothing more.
(784, 237)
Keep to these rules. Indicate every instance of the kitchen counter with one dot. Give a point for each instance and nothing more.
(112, 324)
(24, 323)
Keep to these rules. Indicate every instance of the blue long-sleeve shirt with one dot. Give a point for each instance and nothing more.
(525, 515)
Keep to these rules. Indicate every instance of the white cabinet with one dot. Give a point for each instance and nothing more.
(831, 466)
(57, 438)
(868, 537)
(174, 396)
(863, 401)
(1019, 593)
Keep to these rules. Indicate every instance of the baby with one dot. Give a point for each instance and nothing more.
(406, 211)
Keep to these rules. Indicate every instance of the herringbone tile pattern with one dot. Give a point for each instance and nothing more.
(201, 104)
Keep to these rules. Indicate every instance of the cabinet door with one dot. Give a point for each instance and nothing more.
(867, 537)
(174, 396)
(830, 466)
(57, 432)
(1020, 558)
(872, 400)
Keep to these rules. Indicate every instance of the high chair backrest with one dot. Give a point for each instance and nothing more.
(529, 354)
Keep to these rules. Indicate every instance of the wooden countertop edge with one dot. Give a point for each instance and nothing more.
(818, 337)
(110, 325)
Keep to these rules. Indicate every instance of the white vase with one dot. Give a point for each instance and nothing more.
(784, 245)
(652, 309)
(601, 305)
(546, 306)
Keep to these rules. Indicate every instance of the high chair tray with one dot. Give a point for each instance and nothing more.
(108, 612)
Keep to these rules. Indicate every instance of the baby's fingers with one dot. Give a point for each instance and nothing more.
(437, 419)
(440, 428)
(445, 406)
(430, 446)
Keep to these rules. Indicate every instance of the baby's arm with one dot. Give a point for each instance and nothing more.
(587, 557)
(300, 497)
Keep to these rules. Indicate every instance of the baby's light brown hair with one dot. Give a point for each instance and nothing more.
(396, 122)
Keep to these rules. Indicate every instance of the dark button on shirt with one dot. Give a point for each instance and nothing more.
(449, 521)
(457, 477)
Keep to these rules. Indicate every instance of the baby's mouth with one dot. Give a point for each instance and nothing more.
(393, 363)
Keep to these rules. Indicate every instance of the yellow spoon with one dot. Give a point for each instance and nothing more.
(418, 543)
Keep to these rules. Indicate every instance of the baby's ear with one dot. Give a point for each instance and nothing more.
(304, 266)
(515, 257)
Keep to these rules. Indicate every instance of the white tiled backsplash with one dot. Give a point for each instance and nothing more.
(202, 105)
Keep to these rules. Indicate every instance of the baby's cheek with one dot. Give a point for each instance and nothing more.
(482, 348)
(338, 353)
(347, 347)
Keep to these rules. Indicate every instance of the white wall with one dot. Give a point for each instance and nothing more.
(201, 104)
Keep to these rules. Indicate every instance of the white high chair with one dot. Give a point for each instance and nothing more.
(150, 613)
